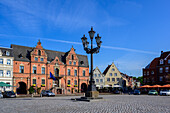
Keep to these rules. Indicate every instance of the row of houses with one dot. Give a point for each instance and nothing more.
(113, 78)
(158, 70)
(23, 67)
(62, 72)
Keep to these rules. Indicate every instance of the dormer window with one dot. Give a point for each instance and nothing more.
(39, 52)
(7, 53)
(20, 56)
(161, 61)
(81, 62)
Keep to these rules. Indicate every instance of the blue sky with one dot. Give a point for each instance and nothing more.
(133, 32)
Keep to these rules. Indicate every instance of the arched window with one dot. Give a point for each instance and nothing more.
(39, 52)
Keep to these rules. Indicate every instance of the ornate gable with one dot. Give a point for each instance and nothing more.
(72, 57)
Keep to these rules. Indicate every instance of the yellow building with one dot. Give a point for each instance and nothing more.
(113, 77)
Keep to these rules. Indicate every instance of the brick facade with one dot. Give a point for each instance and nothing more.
(32, 67)
(158, 71)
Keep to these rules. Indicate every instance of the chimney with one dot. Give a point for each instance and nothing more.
(161, 52)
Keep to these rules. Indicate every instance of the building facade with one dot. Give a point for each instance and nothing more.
(158, 71)
(113, 77)
(98, 78)
(33, 65)
(6, 67)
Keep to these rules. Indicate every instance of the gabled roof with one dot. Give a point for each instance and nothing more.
(97, 69)
(105, 71)
(153, 64)
(25, 52)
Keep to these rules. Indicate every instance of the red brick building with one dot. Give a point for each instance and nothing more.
(158, 71)
(32, 67)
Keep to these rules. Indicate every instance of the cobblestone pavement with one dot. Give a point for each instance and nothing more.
(110, 104)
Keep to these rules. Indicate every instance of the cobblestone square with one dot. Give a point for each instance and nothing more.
(110, 104)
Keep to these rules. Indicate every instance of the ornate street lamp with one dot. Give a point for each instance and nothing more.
(91, 92)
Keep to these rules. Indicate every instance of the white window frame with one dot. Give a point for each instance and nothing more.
(8, 62)
(42, 70)
(1, 73)
(1, 61)
(33, 69)
(8, 73)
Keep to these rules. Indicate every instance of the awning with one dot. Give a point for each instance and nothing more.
(97, 85)
(117, 86)
(107, 86)
(4, 84)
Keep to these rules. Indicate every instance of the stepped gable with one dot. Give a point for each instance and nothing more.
(22, 53)
(164, 54)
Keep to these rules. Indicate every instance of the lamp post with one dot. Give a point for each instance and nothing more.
(91, 92)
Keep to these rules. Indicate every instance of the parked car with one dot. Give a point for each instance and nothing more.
(165, 92)
(47, 93)
(9, 94)
(137, 92)
(1, 96)
(153, 92)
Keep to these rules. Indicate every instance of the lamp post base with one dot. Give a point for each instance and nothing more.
(93, 94)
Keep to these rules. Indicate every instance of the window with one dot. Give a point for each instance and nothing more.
(160, 78)
(68, 82)
(75, 72)
(8, 62)
(7, 53)
(161, 70)
(41, 59)
(1, 61)
(95, 75)
(97, 80)
(1, 73)
(72, 57)
(168, 61)
(113, 69)
(113, 79)
(42, 81)
(99, 75)
(166, 69)
(118, 79)
(147, 72)
(8, 74)
(110, 74)
(21, 69)
(34, 81)
(84, 73)
(68, 72)
(101, 80)
(144, 73)
(43, 70)
(115, 74)
(75, 82)
(161, 61)
(70, 62)
(34, 70)
(108, 79)
(74, 62)
(39, 52)
(36, 58)
(144, 79)
(152, 72)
